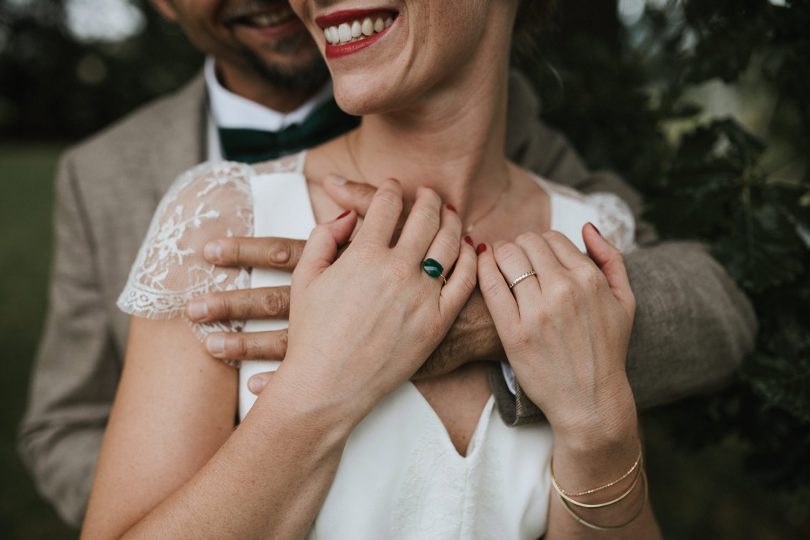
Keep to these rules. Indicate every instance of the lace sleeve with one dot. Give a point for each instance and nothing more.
(212, 200)
(615, 220)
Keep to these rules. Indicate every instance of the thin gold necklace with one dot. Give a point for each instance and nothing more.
(469, 228)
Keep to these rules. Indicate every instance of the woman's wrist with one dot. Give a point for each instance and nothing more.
(610, 421)
(310, 404)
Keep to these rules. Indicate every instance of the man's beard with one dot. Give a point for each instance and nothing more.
(300, 77)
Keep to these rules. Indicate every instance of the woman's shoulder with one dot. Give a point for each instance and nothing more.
(610, 213)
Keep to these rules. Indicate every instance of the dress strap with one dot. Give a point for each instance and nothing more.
(300, 161)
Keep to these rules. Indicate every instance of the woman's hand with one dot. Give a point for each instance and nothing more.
(362, 325)
(565, 330)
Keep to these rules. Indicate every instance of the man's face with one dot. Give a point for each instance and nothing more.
(261, 37)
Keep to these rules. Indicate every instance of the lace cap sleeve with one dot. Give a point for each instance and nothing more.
(615, 220)
(212, 200)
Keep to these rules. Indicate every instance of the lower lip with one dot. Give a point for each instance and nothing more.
(288, 27)
(338, 51)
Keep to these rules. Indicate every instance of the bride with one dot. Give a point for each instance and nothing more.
(340, 444)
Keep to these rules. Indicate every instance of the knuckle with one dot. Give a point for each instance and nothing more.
(389, 198)
(590, 277)
(427, 214)
(528, 238)
(273, 304)
(506, 252)
(565, 291)
(553, 235)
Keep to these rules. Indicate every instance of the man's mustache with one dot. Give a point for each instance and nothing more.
(240, 9)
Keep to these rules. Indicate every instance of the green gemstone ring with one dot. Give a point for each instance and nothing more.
(434, 269)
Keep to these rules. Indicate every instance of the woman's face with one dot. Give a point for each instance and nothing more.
(385, 54)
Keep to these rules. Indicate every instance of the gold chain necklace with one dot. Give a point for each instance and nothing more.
(469, 228)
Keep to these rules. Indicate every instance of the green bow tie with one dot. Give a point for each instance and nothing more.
(253, 145)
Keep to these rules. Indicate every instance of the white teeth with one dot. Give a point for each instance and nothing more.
(347, 32)
(368, 26)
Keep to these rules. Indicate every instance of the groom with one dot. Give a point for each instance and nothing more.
(265, 92)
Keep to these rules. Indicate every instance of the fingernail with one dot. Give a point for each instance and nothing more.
(337, 180)
(282, 255)
(469, 240)
(216, 345)
(343, 215)
(481, 248)
(256, 384)
(596, 229)
(212, 251)
(197, 310)
(452, 208)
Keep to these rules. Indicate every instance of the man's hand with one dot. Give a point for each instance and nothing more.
(472, 337)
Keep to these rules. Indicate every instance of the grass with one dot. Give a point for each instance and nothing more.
(695, 495)
(26, 180)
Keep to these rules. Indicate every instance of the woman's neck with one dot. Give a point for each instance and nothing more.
(453, 142)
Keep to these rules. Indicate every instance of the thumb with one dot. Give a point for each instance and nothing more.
(321, 249)
(611, 263)
(348, 194)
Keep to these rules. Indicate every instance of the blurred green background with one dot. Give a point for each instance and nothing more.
(650, 89)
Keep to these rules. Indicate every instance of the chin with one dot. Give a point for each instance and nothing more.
(365, 94)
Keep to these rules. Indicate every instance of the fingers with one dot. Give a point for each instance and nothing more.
(567, 253)
(277, 253)
(248, 345)
(513, 263)
(257, 383)
(461, 282)
(611, 263)
(500, 302)
(350, 195)
(543, 259)
(446, 243)
(422, 224)
(322, 247)
(262, 303)
(383, 215)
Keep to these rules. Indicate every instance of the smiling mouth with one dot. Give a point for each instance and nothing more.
(277, 16)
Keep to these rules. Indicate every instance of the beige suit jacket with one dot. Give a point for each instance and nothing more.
(693, 326)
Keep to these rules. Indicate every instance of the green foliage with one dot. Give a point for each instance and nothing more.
(626, 104)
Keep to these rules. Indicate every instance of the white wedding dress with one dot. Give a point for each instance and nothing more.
(400, 475)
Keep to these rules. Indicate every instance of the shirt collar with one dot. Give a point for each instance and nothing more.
(229, 110)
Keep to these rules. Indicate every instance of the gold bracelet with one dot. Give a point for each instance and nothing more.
(600, 488)
(624, 525)
(565, 497)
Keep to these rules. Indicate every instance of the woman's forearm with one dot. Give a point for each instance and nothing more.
(270, 478)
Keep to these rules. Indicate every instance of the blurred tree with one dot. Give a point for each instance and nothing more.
(626, 103)
(56, 85)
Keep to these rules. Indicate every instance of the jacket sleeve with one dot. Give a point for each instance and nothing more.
(693, 326)
(77, 366)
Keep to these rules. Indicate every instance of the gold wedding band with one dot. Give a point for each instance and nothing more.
(521, 277)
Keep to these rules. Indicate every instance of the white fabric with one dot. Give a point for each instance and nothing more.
(400, 476)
